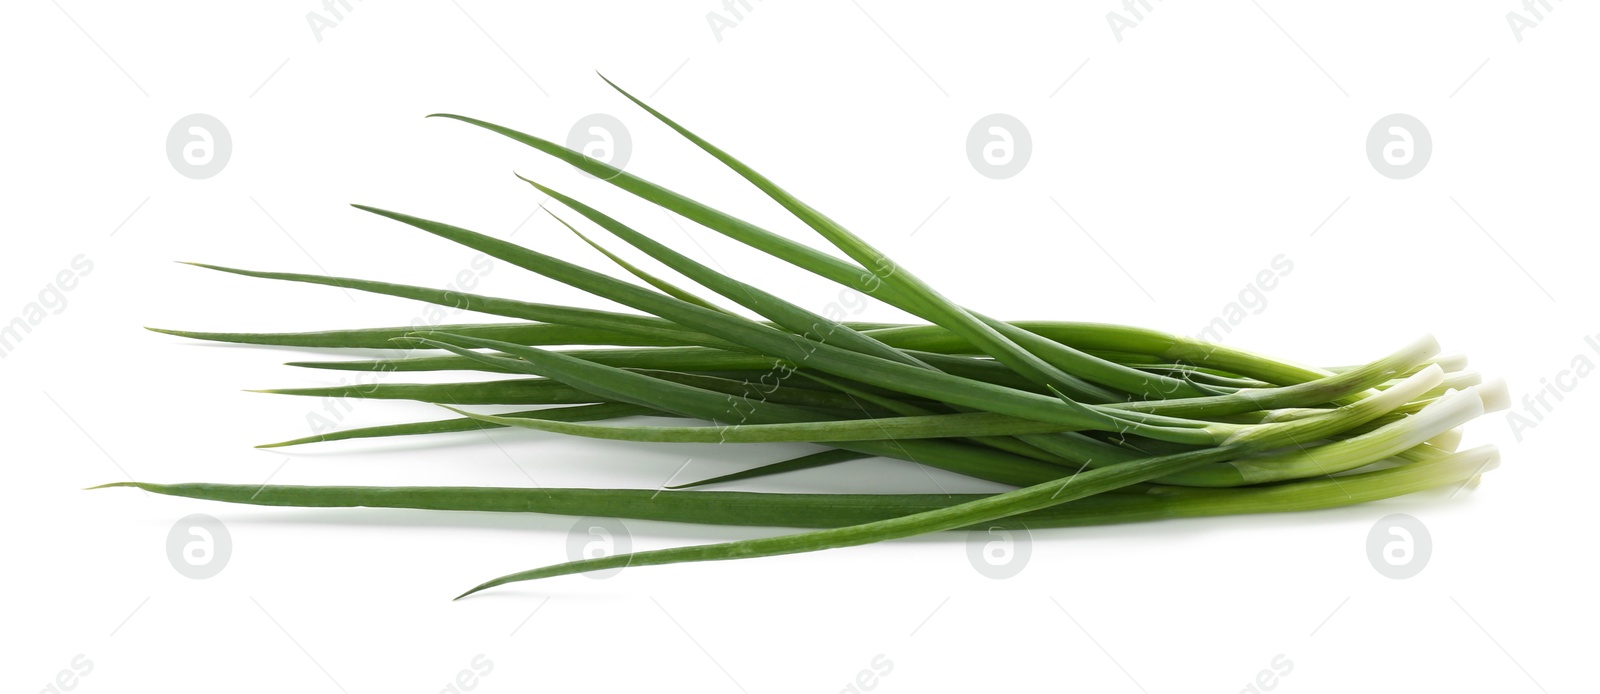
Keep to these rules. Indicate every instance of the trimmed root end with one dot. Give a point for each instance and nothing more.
(1496, 396)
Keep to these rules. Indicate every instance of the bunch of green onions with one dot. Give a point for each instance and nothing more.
(1090, 423)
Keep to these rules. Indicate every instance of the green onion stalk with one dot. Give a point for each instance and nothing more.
(1085, 423)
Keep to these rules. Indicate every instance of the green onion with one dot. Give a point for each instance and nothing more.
(836, 510)
(1088, 423)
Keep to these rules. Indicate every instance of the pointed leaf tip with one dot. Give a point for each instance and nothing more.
(477, 588)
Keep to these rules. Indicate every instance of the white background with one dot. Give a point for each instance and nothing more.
(1209, 139)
